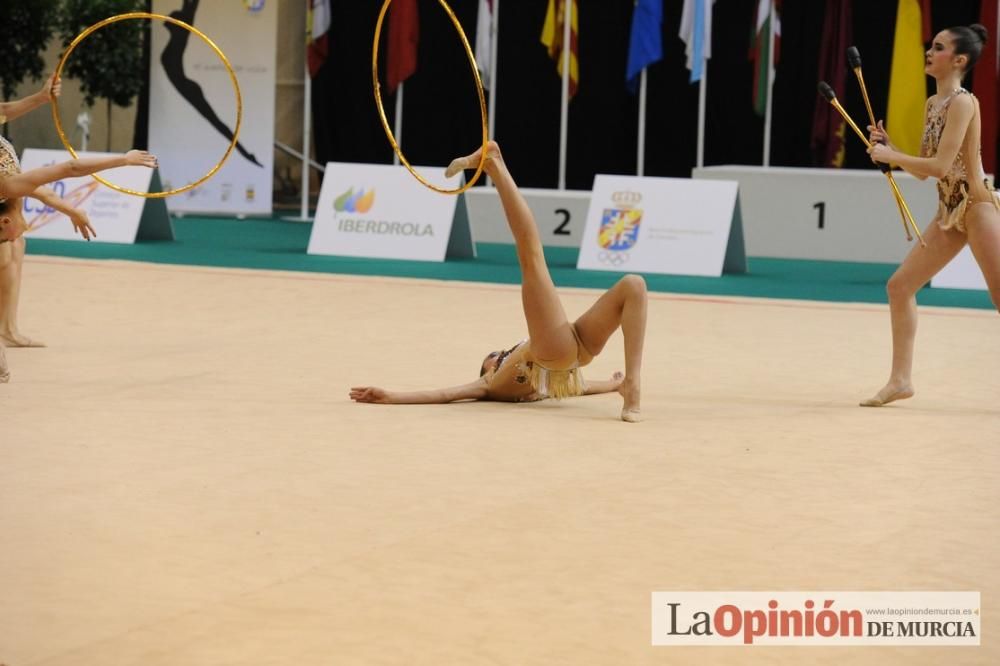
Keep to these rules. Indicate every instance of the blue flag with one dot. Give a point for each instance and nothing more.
(645, 45)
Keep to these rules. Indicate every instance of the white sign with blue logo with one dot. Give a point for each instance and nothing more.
(382, 211)
(116, 217)
(677, 226)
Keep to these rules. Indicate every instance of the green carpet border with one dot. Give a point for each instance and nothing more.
(276, 244)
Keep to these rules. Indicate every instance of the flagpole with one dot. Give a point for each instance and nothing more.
(564, 112)
(306, 130)
(399, 122)
(494, 39)
(701, 113)
(772, 19)
(641, 149)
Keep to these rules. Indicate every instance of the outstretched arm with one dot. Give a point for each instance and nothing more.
(81, 223)
(960, 114)
(23, 184)
(472, 391)
(17, 108)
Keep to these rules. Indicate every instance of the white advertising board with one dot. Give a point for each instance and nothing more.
(116, 217)
(676, 226)
(381, 210)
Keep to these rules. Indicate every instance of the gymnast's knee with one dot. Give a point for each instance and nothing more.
(897, 289)
(634, 285)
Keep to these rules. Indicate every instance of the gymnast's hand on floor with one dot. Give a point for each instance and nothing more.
(369, 394)
(140, 158)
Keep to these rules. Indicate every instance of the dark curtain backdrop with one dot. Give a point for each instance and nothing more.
(441, 111)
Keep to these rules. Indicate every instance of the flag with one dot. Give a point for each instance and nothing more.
(907, 81)
(696, 32)
(986, 84)
(645, 45)
(404, 36)
(552, 37)
(484, 40)
(317, 27)
(759, 52)
(829, 129)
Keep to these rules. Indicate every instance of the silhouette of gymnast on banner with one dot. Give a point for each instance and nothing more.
(172, 59)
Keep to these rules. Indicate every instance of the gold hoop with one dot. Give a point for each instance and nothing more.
(479, 88)
(222, 56)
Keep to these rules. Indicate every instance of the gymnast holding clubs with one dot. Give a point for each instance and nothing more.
(548, 363)
(968, 208)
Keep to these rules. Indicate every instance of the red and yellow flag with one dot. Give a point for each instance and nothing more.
(552, 37)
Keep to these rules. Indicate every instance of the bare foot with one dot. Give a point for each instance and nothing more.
(4, 372)
(630, 410)
(18, 340)
(460, 164)
(889, 393)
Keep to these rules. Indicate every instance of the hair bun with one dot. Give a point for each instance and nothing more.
(980, 31)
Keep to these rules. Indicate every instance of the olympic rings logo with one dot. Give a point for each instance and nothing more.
(613, 258)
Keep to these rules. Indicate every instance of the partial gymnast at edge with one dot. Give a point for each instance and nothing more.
(14, 186)
(968, 208)
(12, 254)
(548, 363)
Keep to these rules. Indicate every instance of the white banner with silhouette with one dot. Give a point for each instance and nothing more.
(192, 103)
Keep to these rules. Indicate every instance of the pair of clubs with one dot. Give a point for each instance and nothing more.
(854, 60)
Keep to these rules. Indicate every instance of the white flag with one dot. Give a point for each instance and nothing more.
(696, 32)
(320, 18)
(484, 40)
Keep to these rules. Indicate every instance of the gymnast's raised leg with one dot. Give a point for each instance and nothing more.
(554, 340)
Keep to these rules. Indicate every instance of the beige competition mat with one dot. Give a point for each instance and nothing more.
(183, 479)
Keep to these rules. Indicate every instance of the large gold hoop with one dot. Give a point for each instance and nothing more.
(479, 89)
(190, 28)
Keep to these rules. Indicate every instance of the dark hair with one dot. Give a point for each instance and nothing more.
(482, 368)
(500, 356)
(969, 41)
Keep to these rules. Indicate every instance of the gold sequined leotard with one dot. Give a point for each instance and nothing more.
(9, 164)
(954, 189)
